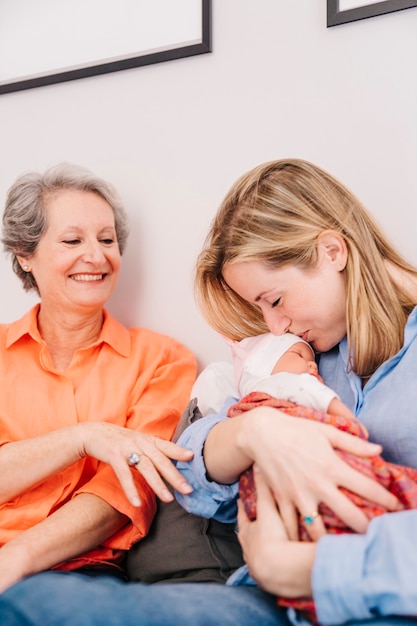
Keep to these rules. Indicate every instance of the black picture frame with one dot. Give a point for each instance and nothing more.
(335, 16)
(202, 46)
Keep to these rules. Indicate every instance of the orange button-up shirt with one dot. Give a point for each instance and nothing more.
(131, 377)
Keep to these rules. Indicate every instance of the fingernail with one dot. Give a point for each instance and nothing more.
(167, 495)
(136, 502)
(186, 488)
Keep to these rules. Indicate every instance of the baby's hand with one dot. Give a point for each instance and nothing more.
(336, 407)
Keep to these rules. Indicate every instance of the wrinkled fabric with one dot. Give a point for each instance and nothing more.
(74, 599)
(135, 378)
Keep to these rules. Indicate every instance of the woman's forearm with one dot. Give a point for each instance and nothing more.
(77, 527)
(50, 453)
(26, 463)
(224, 456)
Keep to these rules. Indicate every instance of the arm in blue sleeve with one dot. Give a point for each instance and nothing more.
(208, 499)
(358, 577)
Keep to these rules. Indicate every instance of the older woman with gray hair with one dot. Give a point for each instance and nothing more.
(85, 403)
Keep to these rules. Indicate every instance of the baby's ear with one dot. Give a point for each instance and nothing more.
(313, 370)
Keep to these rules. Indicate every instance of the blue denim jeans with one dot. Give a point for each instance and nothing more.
(75, 599)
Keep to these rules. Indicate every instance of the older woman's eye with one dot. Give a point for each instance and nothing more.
(71, 242)
(274, 304)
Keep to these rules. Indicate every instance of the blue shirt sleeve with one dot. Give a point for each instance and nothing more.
(358, 577)
(208, 499)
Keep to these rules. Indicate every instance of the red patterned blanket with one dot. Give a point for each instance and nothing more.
(399, 480)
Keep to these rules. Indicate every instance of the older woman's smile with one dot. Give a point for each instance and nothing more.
(88, 277)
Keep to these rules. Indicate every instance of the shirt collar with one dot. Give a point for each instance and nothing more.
(410, 328)
(113, 332)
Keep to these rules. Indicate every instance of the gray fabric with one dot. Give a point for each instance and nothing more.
(181, 546)
(190, 415)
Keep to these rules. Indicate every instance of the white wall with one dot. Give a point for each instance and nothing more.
(173, 137)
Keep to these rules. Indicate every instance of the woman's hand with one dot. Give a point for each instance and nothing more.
(115, 445)
(278, 565)
(298, 461)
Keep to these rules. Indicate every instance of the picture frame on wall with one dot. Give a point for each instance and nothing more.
(52, 42)
(343, 11)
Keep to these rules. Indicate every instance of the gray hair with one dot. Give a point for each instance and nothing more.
(25, 217)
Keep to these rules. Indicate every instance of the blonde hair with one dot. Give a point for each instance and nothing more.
(275, 214)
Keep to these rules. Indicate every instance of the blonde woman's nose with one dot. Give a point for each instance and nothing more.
(277, 323)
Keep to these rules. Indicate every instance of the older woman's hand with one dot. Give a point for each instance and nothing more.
(278, 565)
(126, 450)
(298, 460)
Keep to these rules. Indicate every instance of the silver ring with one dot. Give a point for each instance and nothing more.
(309, 519)
(134, 459)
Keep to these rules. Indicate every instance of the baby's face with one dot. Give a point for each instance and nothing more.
(298, 359)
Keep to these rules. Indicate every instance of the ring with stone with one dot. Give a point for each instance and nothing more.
(134, 459)
(309, 519)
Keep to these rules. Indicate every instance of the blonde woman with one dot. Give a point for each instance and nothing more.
(292, 250)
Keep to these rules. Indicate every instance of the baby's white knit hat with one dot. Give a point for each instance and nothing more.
(260, 353)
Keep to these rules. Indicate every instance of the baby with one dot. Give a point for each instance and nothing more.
(283, 366)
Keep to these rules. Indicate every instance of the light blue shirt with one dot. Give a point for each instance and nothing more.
(366, 576)
(355, 576)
